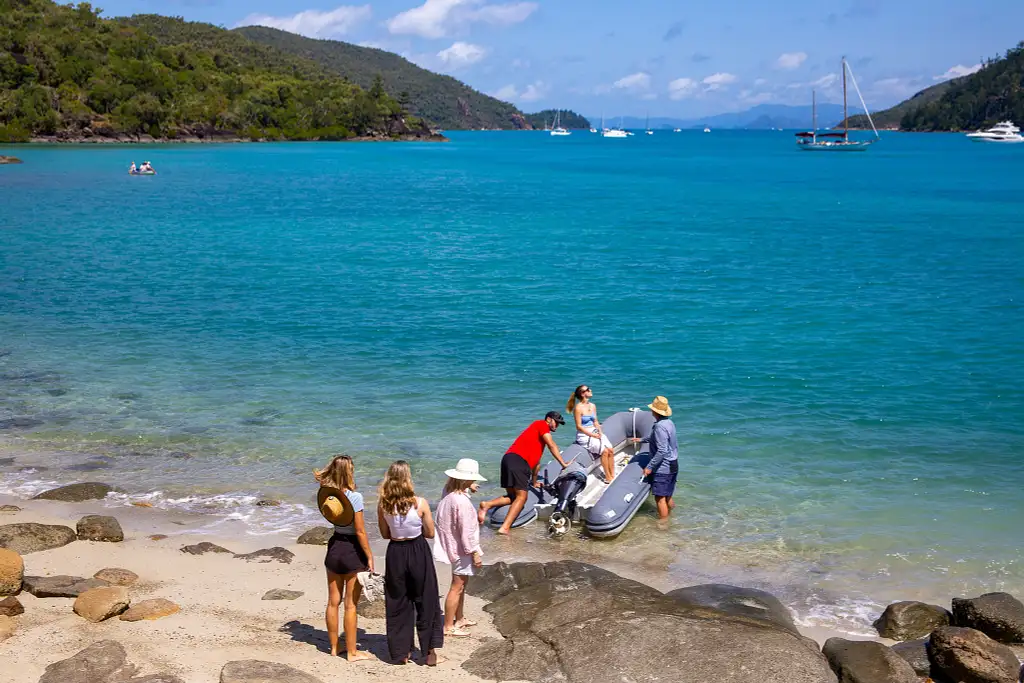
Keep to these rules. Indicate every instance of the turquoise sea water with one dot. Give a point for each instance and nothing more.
(840, 336)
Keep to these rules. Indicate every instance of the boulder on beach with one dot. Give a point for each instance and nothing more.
(865, 661)
(578, 623)
(275, 554)
(915, 653)
(1000, 616)
(255, 671)
(203, 548)
(9, 508)
(77, 493)
(116, 576)
(100, 528)
(282, 594)
(99, 604)
(747, 602)
(60, 586)
(102, 662)
(29, 537)
(155, 608)
(11, 607)
(7, 627)
(908, 620)
(12, 570)
(969, 656)
(316, 536)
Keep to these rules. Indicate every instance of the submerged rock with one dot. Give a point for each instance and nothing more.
(30, 537)
(908, 620)
(316, 536)
(255, 671)
(998, 615)
(20, 423)
(969, 656)
(864, 661)
(747, 602)
(9, 160)
(60, 586)
(275, 554)
(100, 528)
(77, 493)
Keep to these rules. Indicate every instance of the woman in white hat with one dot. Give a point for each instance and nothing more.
(458, 533)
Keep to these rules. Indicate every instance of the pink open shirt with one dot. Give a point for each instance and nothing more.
(458, 531)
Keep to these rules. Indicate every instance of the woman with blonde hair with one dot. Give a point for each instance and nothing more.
(410, 581)
(458, 533)
(348, 550)
(588, 429)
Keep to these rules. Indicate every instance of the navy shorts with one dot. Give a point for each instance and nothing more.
(664, 484)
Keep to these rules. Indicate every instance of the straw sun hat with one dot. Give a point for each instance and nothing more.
(335, 506)
(660, 406)
(467, 470)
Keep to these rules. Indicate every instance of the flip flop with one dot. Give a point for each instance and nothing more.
(457, 632)
(466, 623)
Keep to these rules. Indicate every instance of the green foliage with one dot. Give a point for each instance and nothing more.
(890, 118)
(568, 119)
(443, 100)
(64, 68)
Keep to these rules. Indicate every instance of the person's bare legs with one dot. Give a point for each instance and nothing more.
(481, 515)
(460, 612)
(335, 589)
(352, 592)
(608, 464)
(453, 602)
(514, 509)
(663, 506)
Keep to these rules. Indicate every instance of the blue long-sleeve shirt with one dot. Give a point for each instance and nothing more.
(664, 450)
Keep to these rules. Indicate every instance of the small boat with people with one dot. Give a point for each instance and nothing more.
(145, 169)
(1004, 131)
(813, 141)
(580, 494)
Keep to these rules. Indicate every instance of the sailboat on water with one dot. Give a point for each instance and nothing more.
(813, 141)
(558, 130)
(647, 126)
(611, 132)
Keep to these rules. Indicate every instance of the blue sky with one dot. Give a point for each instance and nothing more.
(681, 59)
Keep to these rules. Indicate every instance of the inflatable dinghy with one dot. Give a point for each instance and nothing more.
(604, 509)
(141, 172)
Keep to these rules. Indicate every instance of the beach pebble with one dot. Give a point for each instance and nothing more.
(100, 528)
(116, 576)
(915, 653)
(864, 661)
(969, 656)
(1000, 616)
(100, 604)
(158, 537)
(11, 607)
(7, 626)
(747, 602)
(102, 662)
(282, 594)
(908, 620)
(12, 569)
(60, 586)
(275, 554)
(203, 548)
(316, 536)
(150, 609)
(9, 508)
(252, 670)
(29, 537)
(77, 493)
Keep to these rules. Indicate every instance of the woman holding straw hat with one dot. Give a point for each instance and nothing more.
(458, 533)
(410, 580)
(348, 551)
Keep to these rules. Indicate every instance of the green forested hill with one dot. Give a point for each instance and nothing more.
(569, 119)
(67, 73)
(442, 100)
(890, 118)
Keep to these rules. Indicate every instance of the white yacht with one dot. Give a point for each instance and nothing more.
(558, 130)
(611, 132)
(706, 129)
(1001, 132)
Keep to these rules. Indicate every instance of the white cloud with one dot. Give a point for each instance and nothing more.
(718, 81)
(681, 88)
(636, 83)
(439, 18)
(314, 23)
(957, 71)
(507, 93)
(759, 82)
(826, 81)
(537, 90)
(461, 54)
(791, 60)
(752, 98)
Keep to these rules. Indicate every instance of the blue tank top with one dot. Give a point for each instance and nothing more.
(587, 421)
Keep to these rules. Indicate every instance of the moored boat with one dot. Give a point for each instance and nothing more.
(813, 141)
(1004, 131)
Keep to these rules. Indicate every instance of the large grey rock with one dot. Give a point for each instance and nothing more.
(965, 655)
(275, 554)
(863, 661)
(100, 528)
(908, 620)
(316, 536)
(77, 493)
(60, 586)
(747, 602)
(1000, 616)
(255, 671)
(29, 537)
(102, 662)
(578, 623)
(915, 653)
(203, 548)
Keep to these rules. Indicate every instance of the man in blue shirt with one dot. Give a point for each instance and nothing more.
(664, 462)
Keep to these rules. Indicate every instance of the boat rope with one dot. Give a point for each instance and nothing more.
(862, 103)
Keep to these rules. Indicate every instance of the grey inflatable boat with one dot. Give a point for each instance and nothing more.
(604, 509)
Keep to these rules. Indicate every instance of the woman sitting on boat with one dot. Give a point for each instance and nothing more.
(133, 169)
(588, 430)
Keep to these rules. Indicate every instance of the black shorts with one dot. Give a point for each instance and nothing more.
(345, 555)
(515, 472)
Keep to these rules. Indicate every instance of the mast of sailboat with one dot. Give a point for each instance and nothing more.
(814, 116)
(846, 117)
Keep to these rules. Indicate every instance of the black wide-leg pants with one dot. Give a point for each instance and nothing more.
(411, 598)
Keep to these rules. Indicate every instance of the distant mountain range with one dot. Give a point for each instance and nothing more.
(761, 117)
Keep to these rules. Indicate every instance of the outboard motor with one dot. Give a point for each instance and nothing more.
(565, 489)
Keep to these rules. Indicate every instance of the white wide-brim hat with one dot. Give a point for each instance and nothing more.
(467, 470)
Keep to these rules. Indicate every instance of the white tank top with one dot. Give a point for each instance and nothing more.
(407, 526)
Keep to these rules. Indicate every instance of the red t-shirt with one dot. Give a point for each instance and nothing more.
(530, 444)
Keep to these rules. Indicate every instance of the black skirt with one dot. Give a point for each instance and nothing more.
(345, 555)
(515, 472)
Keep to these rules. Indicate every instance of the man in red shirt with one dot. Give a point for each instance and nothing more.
(520, 465)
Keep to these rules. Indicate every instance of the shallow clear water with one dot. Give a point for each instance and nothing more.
(839, 335)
